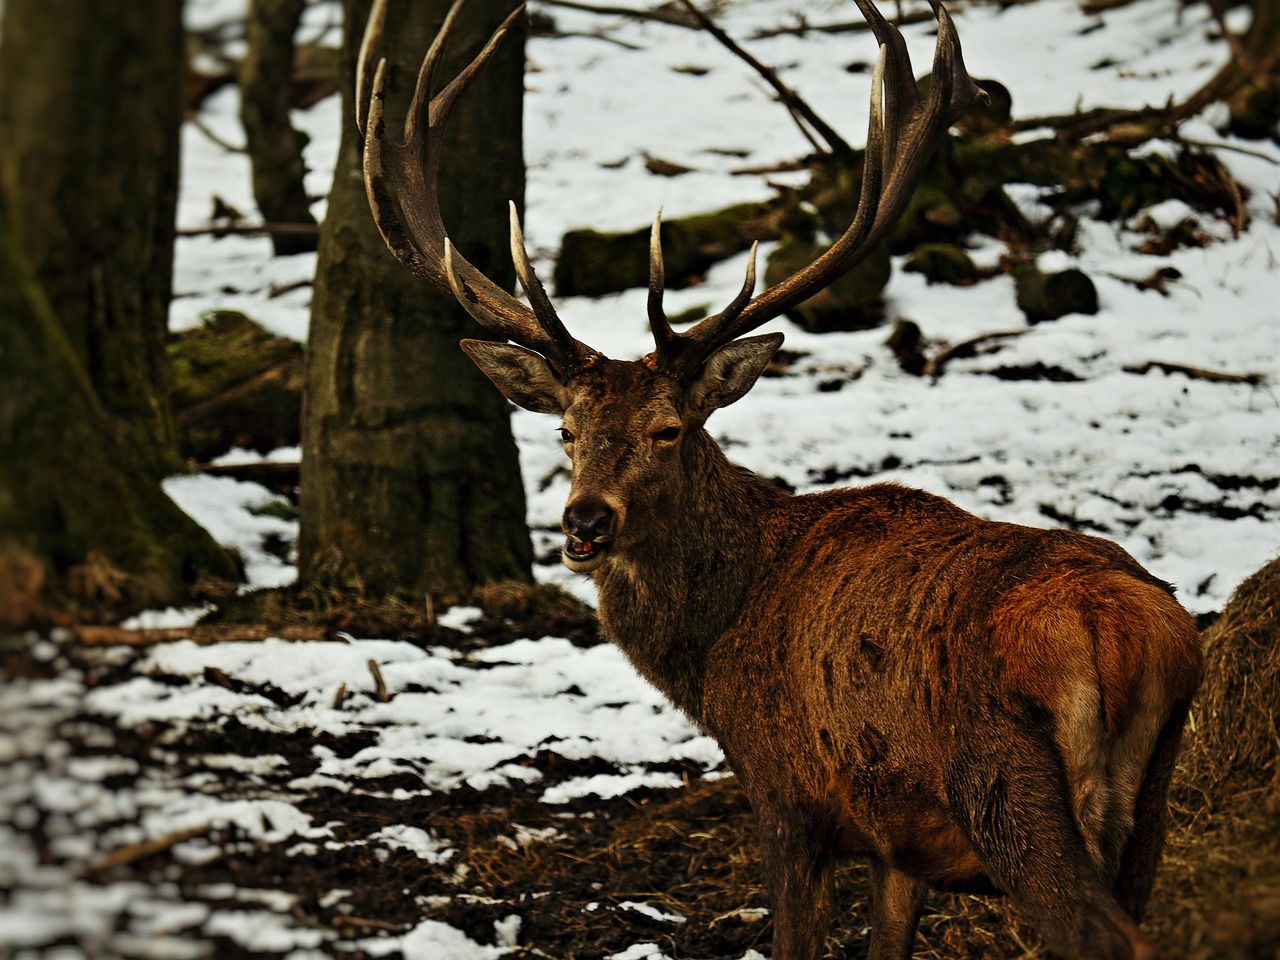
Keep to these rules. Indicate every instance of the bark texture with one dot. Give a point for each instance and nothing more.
(90, 114)
(410, 478)
(85, 531)
(275, 147)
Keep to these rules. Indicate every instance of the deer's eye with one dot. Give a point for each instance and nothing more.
(666, 434)
(565, 436)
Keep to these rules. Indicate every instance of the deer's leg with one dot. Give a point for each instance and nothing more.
(1020, 821)
(1142, 850)
(799, 870)
(896, 902)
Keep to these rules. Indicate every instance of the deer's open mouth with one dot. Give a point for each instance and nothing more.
(583, 556)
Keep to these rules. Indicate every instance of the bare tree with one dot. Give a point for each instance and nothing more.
(274, 145)
(85, 531)
(410, 479)
(90, 114)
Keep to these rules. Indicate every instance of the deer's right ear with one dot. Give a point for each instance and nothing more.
(524, 377)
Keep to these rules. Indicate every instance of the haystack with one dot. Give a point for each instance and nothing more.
(1218, 893)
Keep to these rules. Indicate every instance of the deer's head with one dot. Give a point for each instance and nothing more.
(628, 426)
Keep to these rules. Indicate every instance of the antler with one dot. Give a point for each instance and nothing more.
(901, 137)
(408, 215)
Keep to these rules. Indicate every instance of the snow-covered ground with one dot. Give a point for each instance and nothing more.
(1182, 472)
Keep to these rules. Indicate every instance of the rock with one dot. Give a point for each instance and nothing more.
(942, 263)
(906, 341)
(593, 263)
(1255, 111)
(1048, 296)
(852, 302)
(235, 385)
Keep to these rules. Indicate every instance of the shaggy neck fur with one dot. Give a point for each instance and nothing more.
(667, 598)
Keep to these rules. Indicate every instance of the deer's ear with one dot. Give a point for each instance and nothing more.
(524, 377)
(730, 372)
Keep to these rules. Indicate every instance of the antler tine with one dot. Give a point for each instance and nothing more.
(658, 321)
(419, 111)
(408, 214)
(902, 134)
(569, 353)
(370, 42)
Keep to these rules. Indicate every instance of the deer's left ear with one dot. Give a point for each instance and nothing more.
(730, 372)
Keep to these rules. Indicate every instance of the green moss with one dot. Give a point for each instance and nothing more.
(235, 385)
(593, 263)
(941, 263)
(1048, 296)
(850, 303)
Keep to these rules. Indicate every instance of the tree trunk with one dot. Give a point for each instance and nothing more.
(410, 479)
(275, 147)
(90, 113)
(85, 532)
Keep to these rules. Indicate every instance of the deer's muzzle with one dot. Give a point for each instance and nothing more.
(589, 526)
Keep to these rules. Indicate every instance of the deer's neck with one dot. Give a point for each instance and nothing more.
(666, 599)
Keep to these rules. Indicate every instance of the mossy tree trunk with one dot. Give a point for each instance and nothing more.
(410, 478)
(85, 530)
(90, 115)
(275, 147)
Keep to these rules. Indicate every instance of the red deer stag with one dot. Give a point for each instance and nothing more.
(967, 705)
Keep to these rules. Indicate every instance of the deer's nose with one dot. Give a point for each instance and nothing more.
(589, 520)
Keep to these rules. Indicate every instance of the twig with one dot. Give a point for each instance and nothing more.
(280, 289)
(1197, 373)
(380, 685)
(1219, 145)
(366, 922)
(600, 35)
(934, 366)
(220, 678)
(147, 848)
(844, 26)
(105, 636)
(208, 132)
(793, 102)
(658, 14)
(339, 696)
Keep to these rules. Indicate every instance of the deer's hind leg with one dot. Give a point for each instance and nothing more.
(1145, 844)
(1018, 814)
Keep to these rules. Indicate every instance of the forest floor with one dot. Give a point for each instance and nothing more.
(217, 801)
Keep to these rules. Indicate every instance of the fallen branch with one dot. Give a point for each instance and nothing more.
(278, 475)
(1197, 373)
(214, 675)
(106, 636)
(934, 366)
(844, 26)
(147, 848)
(253, 229)
(280, 289)
(366, 922)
